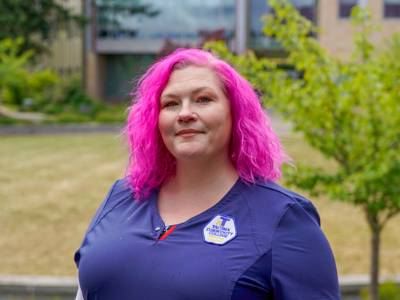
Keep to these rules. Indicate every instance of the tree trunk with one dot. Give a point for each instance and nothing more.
(375, 246)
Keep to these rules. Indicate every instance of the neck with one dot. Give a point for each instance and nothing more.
(200, 174)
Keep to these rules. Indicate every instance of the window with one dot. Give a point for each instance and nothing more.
(259, 8)
(257, 39)
(159, 20)
(345, 7)
(119, 71)
(392, 8)
(307, 8)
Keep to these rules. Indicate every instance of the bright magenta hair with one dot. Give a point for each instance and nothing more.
(255, 150)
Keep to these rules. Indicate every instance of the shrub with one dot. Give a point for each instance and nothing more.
(387, 291)
(22, 87)
(69, 97)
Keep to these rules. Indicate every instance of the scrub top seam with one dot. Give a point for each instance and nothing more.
(288, 206)
(104, 212)
(102, 207)
(278, 191)
(247, 267)
(260, 252)
(302, 204)
(252, 220)
(77, 255)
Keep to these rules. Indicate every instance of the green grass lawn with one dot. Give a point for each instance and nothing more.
(50, 187)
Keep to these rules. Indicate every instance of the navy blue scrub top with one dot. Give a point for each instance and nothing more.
(259, 241)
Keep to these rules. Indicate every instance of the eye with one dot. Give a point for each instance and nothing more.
(169, 103)
(204, 99)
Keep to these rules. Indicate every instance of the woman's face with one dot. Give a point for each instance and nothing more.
(195, 118)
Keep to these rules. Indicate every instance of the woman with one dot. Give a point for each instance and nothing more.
(198, 215)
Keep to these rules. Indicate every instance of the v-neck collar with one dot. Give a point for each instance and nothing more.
(229, 195)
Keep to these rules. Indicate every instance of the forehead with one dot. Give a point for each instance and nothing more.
(190, 78)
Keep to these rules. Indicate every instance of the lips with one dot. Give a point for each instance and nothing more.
(188, 131)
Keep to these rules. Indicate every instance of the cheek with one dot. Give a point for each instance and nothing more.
(164, 123)
(228, 127)
(223, 125)
(166, 129)
(228, 130)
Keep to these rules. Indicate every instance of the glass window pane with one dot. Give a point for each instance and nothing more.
(392, 9)
(122, 69)
(298, 3)
(258, 8)
(257, 39)
(168, 19)
(307, 8)
(345, 7)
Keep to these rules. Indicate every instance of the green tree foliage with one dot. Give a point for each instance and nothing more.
(387, 291)
(348, 110)
(34, 21)
(31, 95)
(21, 87)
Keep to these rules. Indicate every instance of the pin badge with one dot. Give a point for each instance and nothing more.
(220, 230)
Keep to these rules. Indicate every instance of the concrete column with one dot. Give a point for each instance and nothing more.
(363, 3)
(241, 25)
(93, 62)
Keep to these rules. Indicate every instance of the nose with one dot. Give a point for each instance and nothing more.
(186, 114)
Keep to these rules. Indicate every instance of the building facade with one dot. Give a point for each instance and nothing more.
(336, 31)
(66, 47)
(125, 36)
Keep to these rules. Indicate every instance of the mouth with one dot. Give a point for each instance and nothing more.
(188, 132)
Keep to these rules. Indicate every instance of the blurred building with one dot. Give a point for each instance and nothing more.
(125, 36)
(66, 47)
(336, 32)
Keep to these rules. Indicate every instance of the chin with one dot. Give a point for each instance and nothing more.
(189, 153)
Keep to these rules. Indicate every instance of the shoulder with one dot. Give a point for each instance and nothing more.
(118, 194)
(121, 188)
(269, 203)
(268, 195)
(298, 243)
(118, 199)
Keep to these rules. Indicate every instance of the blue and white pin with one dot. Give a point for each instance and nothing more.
(220, 230)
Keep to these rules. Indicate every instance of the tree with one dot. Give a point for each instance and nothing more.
(348, 110)
(21, 87)
(34, 21)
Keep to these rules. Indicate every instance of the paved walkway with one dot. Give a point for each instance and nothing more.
(58, 129)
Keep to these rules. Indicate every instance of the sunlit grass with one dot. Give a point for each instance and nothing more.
(50, 187)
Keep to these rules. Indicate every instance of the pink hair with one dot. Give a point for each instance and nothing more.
(255, 150)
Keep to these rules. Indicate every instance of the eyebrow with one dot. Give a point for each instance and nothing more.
(195, 91)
